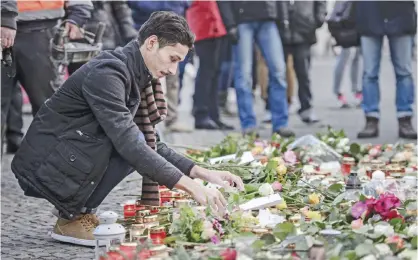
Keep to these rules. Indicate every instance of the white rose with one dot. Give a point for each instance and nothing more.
(346, 148)
(369, 257)
(343, 142)
(208, 233)
(383, 249)
(330, 140)
(266, 189)
(207, 224)
(386, 230)
(400, 156)
(413, 230)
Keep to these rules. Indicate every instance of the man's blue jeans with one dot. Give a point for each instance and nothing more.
(266, 35)
(401, 55)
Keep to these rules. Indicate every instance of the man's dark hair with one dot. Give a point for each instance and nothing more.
(169, 27)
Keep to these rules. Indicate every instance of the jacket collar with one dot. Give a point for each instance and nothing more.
(137, 63)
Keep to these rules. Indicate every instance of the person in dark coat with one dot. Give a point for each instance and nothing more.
(247, 23)
(298, 22)
(99, 127)
(397, 20)
(206, 23)
(9, 13)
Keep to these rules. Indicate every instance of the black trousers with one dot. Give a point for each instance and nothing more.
(205, 99)
(34, 71)
(116, 171)
(14, 122)
(302, 62)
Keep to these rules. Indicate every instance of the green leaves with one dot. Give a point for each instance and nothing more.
(252, 187)
(338, 199)
(365, 249)
(282, 230)
(336, 188)
(268, 239)
(414, 242)
(355, 148)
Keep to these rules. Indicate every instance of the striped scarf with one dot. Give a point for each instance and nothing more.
(152, 110)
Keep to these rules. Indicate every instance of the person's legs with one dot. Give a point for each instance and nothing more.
(117, 170)
(225, 78)
(400, 51)
(302, 58)
(371, 48)
(37, 69)
(243, 63)
(270, 44)
(14, 124)
(290, 77)
(354, 75)
(212, 101)
(338, 76)
(80, 229)
(172, 94)
(204, 79)
(339, 69)
(8, 85)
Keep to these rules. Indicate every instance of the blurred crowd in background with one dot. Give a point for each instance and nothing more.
(244, 45)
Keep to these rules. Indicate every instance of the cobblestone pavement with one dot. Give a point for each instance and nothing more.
(26, 221)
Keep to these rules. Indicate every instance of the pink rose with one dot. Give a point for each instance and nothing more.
(276, 186)
(290, 157)
(397, 240)
(385, 203)
(215, 240)
(374, 152)
(358, 209)
(357, 224)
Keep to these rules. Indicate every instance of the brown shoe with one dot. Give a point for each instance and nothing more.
(78, 231)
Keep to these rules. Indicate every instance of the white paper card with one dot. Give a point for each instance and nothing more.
(262, 203)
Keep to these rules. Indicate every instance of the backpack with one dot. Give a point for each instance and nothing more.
(342, 25)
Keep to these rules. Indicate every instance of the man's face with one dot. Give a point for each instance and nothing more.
(164, 61)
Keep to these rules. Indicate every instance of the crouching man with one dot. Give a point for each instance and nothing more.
(99, 127)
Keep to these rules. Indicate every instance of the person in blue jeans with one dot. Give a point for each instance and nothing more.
(397, 21)
(339, 70)
(249, 22)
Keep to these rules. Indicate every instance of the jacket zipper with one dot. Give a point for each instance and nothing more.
(80, 133)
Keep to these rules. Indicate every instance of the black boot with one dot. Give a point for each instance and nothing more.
(285, 132)
(371, 129)
(405, 128)
(223, 126)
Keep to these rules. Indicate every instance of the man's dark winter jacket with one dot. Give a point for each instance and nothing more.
(118, 19)
(298, 20)
(68, 145)
(236, 12)
(391, 18)
(8, 14)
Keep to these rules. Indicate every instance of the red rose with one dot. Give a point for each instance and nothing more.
(391, 215)
(379, 206)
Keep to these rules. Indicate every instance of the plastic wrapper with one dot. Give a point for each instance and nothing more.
(314, 150)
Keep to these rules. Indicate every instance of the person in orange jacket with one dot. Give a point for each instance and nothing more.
(206, 23)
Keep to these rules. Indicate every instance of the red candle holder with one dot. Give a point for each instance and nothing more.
(129, 210)
(157, 235)
(346, 165)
